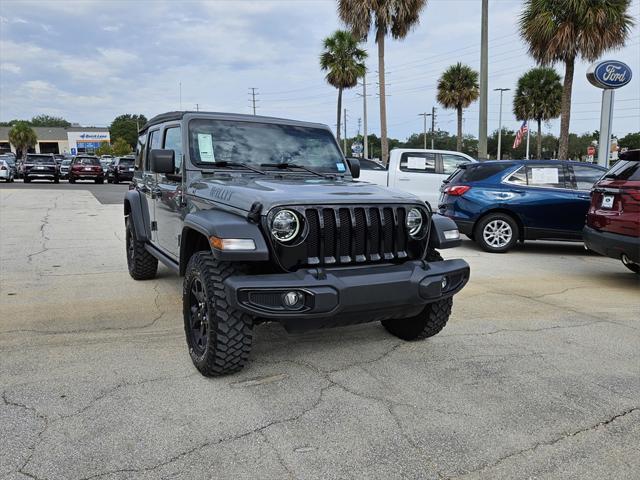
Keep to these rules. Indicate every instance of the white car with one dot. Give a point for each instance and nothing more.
(417, 171)
(6, 171)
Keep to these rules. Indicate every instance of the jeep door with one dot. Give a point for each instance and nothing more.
(169, 195)
(148, 181)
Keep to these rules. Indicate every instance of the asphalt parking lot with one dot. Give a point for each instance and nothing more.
(537, 374)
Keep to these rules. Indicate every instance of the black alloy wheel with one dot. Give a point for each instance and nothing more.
(198, 317)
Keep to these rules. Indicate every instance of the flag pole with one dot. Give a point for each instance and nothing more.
(528, 130)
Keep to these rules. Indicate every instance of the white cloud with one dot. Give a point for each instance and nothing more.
(6, 67)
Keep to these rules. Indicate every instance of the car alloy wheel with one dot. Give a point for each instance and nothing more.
(497, 233)
(198, 317)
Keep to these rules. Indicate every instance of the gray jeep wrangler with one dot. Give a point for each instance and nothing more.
(264, 219)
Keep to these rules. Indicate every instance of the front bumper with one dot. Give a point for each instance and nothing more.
(342, 296)
(612, 244)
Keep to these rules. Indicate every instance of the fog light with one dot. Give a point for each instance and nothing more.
(444, 283)
(451, 234)
(293, 300)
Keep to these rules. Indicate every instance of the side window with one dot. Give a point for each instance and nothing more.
(173, 141)
(366, 164)
(451, 162)
(154, 142)
(142, 139)
(418, 162)
(519, 177)
(586, 176)
(549, 176)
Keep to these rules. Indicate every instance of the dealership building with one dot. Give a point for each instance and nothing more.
(71, 140)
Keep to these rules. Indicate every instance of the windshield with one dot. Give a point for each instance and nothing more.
(40, 159)
(66, 162)
(259, 143)
(126, 161)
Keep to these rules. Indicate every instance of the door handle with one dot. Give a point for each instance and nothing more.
(404, 179)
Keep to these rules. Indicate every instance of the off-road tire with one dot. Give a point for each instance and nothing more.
(478, 232)
(56, 180)
(427, 323)
(434, 256)
(100, 180)
(109, 180)
(142, 265)
(229, 332)
(26, 179)
(116, 180)
(72, 180)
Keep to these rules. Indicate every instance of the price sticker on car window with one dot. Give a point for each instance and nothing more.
(417, 163)
(607, 201)
(205, 147)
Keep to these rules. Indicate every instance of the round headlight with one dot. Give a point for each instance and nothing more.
(285, 226)
(414, 222)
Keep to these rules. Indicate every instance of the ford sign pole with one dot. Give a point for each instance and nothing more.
(608, 75)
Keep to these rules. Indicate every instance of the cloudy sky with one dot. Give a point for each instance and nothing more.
(89, 61)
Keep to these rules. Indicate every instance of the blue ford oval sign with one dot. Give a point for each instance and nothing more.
(609, 74)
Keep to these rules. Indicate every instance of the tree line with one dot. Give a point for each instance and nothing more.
(554, 31)
(123, 132)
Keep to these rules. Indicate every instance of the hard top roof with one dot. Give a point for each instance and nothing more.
(179, 115)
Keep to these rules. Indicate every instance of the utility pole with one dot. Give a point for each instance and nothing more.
(359, 125)
(253, 99)
(484, 81)
(197, 107)
(364, 115)
(424, 118)
(501, 90)
(180, 90)
(344, 138)
(433, 126)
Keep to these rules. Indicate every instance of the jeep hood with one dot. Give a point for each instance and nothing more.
(242, 192)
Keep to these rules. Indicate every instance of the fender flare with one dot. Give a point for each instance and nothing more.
(135, 207)
(440, 224)
(221, 224)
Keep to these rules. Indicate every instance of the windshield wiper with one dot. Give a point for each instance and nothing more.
(224, 163)
(286, 165)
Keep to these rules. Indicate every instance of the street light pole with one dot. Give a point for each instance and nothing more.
(484, 81)
(501, 90)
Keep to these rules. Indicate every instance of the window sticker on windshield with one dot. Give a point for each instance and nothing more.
(205, 147)
(417, 163)
(544, 175)
(340, 166)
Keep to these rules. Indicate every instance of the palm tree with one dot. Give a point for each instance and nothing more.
(343, 61)
(539, 97)
(22, 137)
(458, 88)
(561, 31)
(396, 17)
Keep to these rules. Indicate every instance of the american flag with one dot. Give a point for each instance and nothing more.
(521, 133)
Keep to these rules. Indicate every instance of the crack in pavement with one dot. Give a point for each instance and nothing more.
(281, 461)
(156, 302)
(548, 443)
(33, 447)
(525, 330)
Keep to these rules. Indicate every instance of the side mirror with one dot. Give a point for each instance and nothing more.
(354, 166)
(162, 161)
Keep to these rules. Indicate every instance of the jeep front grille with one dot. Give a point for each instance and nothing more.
(345, 235)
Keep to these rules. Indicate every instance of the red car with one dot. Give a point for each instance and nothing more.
(86, 167)
(613, 219)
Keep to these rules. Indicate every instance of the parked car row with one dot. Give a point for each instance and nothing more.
(500, 203)
(41, 166)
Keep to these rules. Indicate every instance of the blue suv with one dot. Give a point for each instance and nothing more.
(499, 203)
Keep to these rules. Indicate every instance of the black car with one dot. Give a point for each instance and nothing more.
(86, 167)
(121, 169)
(264, 220)
(38, 166)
